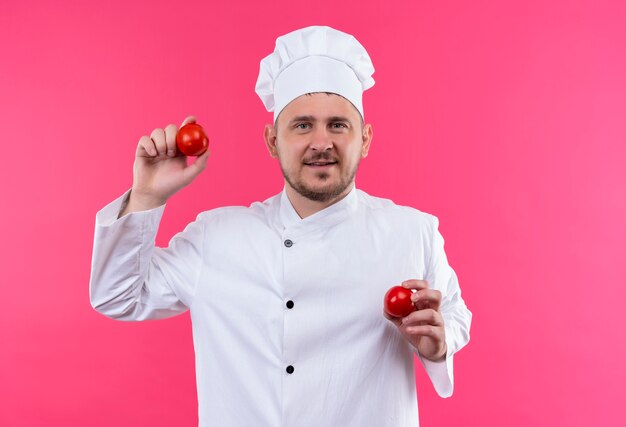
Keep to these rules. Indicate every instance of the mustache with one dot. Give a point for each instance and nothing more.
(326, 157)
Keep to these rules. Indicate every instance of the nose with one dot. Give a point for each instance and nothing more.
(321, 140)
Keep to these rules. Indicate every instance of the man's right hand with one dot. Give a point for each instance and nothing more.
(161, 170)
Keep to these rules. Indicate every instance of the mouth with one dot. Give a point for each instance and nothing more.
(320, 164)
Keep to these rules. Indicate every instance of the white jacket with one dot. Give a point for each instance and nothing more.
(287, 313)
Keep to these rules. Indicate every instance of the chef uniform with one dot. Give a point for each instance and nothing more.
(287, 316)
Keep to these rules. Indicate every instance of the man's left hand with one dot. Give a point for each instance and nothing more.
(424, 328)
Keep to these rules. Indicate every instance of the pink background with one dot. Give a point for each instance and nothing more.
(505, 119)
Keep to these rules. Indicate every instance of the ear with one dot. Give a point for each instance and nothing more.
(269, 134)
(368, 134)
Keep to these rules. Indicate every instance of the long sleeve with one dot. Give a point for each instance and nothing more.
(131, 279)
(457, 318)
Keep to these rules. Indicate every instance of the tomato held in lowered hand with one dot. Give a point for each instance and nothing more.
(398, 302)
(191, 140)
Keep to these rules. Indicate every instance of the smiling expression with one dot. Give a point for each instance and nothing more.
(319, 142)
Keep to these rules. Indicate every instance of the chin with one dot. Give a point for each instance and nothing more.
(321, 186)
(321, 192)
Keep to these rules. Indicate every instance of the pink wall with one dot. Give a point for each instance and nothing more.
(505, 119)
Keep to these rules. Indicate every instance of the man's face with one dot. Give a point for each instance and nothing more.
(319, 140)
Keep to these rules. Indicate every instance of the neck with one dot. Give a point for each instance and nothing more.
(307, 207)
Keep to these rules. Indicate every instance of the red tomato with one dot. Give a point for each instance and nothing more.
(191, 140)
(398, 302)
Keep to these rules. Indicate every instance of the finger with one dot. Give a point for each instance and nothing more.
(194, 169)
(427, 316)
(425, 330)
(170, 139)
(415, 284)
(158, 136)
(146, 148)
(189, 119)
(426, 298)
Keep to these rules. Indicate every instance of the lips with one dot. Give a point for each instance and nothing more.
(319, 163)
(323, 160)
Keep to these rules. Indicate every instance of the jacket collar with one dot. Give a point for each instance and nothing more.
(331, 215)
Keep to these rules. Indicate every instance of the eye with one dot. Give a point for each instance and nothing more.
(302, 126)
(339, 125)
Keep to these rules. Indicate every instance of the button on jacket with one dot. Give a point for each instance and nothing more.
(287, 313)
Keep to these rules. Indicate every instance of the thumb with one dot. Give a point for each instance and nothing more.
(194, 169)
(395, 320)
(189, 119)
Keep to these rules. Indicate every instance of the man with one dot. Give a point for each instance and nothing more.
(286, 296)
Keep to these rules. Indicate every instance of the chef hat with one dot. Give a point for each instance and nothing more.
(314, 59)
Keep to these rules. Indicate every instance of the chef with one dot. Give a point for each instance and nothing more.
(286, 295)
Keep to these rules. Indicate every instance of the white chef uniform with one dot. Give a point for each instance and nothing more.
(287, 314)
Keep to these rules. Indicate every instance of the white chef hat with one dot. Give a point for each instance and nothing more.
(314, 59)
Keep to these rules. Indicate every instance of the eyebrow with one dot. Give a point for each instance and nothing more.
(313, 119)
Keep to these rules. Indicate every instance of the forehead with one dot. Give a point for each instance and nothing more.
(320, 104)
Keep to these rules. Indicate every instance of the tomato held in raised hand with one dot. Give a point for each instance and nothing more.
(191, 140)
(398, 302)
